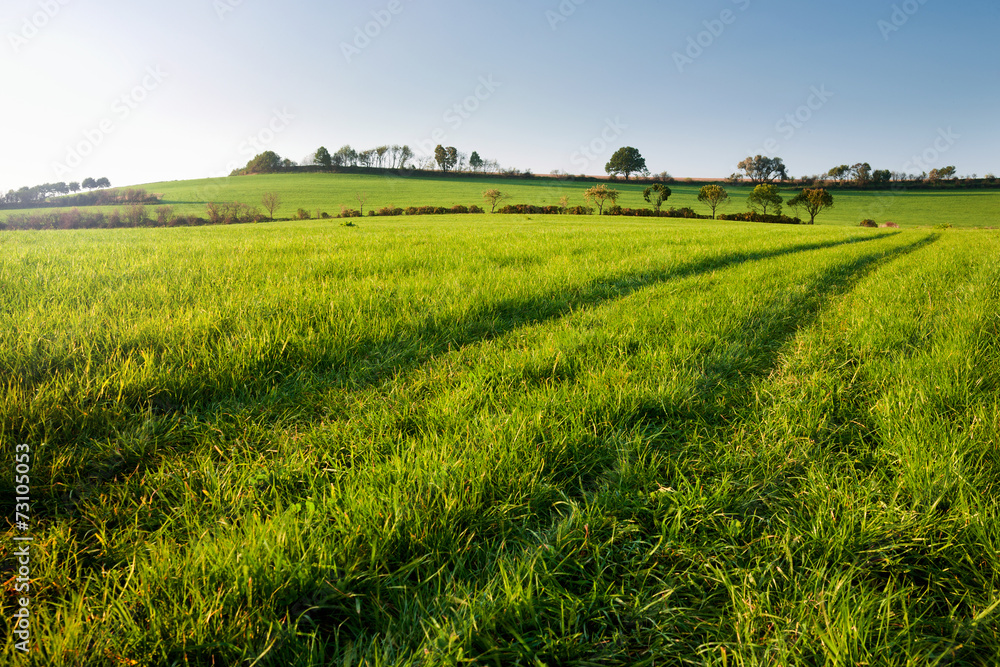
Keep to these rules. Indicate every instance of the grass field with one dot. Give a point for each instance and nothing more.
(328, 192)
(455, 440)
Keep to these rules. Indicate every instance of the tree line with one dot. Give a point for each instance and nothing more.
(37, 195)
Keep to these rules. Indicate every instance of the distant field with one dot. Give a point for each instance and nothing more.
(328, 192)
(496, 441)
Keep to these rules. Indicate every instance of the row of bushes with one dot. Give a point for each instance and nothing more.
(650, 213)
(134, 215)
(531, 209)
(753, 216)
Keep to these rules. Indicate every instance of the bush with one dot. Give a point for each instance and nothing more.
(302, 214)
(890, 225)
(869, 223)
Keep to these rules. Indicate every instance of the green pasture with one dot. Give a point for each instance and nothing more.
(329, 192)
(544, 440)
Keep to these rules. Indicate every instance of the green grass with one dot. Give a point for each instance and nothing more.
(457, 440)
(328, 192)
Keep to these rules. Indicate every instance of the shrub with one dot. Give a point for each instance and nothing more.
(867, 222)
(303, 214)
(164, 214)
(890, 225)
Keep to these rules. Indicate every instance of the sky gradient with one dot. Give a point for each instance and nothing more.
(142, 92)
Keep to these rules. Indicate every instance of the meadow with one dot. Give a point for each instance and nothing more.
(505, 440)
(329, 192)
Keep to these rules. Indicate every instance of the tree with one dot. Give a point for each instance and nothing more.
(89, 183)
(267, 162)
(475, 161)
(345, 157)
(103, 182)
(942, 174)
(362, 199)
(446, 157)
(881, 176)
(600, 194)
(494, 197)
(627, 161)
(74, 187)
(862, 173)
(839, 173)
(813, 201)
(271, 201)
(764, 196)
(323, 158)
(656, 194)
(380, 155)
(405, 155)
(762, 169)
(714, 196)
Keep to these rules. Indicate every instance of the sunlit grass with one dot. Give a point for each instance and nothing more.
(507, 441)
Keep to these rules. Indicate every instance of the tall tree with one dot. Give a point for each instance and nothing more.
(714, 196)
(813, 201)
(446, 158)
(862, 173)
(626, 161)
(103, 182)
(380, 155)
(89, 183)
(760, 169)
(766, 196)
(323, 158)
(656, 194)
(839, 173)
(345, 157)
(475, 161)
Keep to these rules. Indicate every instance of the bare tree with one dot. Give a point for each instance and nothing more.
(362, 199)
(271, 201)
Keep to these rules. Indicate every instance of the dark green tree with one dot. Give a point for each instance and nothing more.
(475, 161)
(656, 194)
(813, 201)
(626, 161)
(323, 158)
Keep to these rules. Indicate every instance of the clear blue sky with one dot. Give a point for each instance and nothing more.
(143, 91)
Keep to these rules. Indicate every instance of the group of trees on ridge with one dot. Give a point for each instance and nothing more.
(38, 194)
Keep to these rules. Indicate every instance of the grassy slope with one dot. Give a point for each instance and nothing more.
(328, 192)
(424, 440)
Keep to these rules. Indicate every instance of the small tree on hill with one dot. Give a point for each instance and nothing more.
(626, 161)
(656, 194)
(323, 158)
(765, 196)
(494, 197)
(714, 196)
(600, 194)
(102, 182)
(271, 201)
(813, 201)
